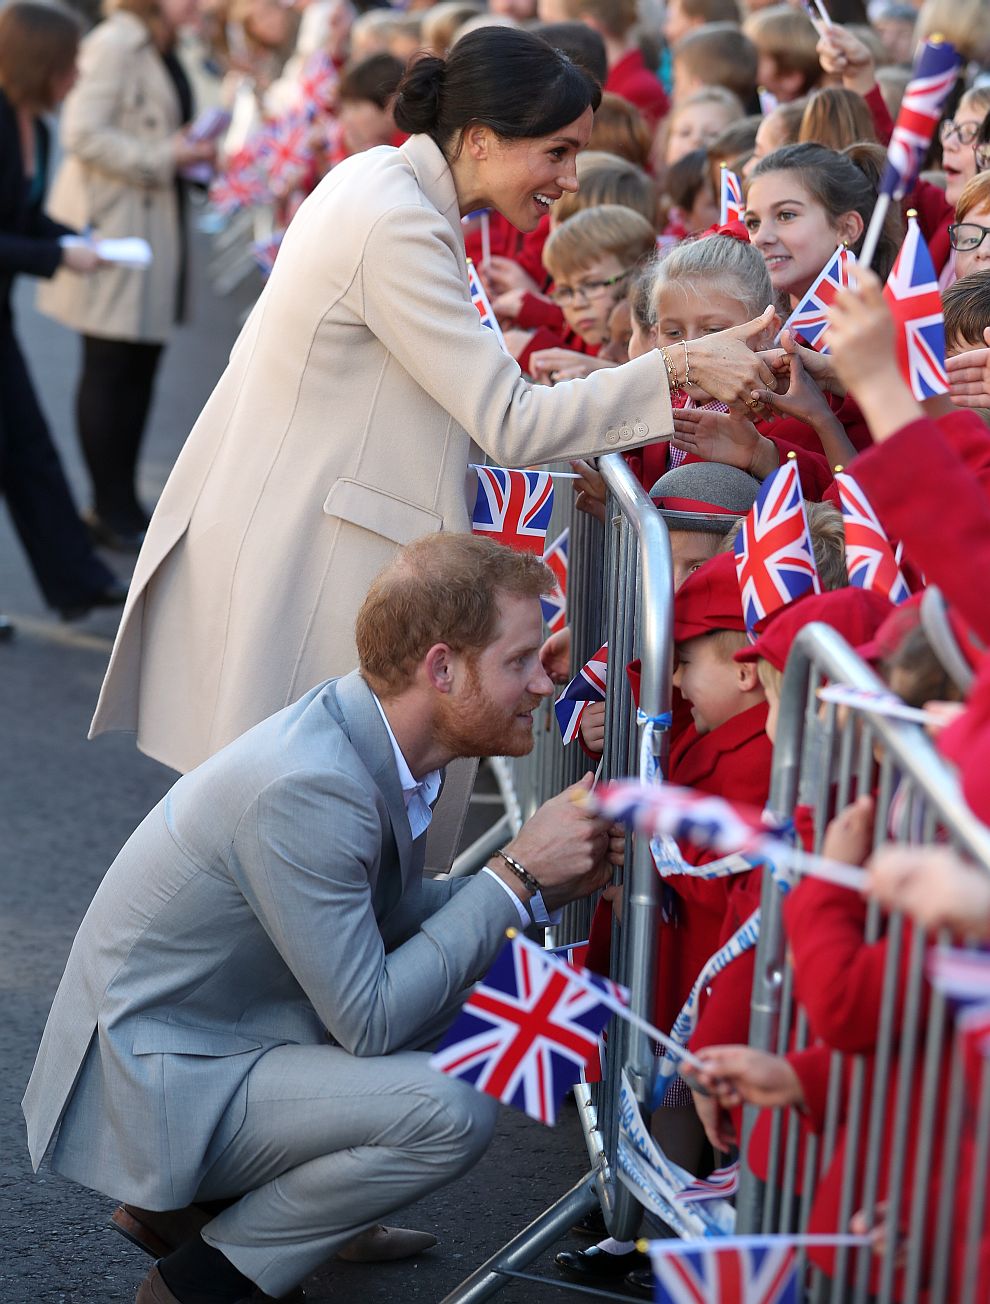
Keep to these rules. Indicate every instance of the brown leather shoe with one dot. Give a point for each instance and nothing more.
(380, 1244)
(159, 1232)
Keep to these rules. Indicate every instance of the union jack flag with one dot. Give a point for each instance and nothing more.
(729, 1270)
(716, 1186)
(513, 507)
(588, 685)
(555, 604)
(809, 319)
(527, 1030)
(285, 152)
(962, 975)
(870, 559)
(480, 300)
(775, 561)
(933, 77)
(575, 955)
(318, 84)
(683, 814)
(264, 252)
(731, 202)
(240, 185)
(912, 293)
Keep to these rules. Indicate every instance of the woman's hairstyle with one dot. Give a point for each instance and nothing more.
(38, 43)
(715, 263)
(503, 78)
(966, 307)
(607, 179)
(841, 182)
(788, 37)
(444, 588)
(836, 117)
(375, 78)
(595, 233)
(621, 129)
(976, 193)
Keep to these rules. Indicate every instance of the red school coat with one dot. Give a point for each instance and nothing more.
(918, 481)
(631, 79)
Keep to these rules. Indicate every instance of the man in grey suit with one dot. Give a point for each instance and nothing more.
(239, 1030)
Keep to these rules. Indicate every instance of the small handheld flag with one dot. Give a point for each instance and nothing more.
(318, 85)
(716, 1186)
(286, 153)
(775, 560)
(555, 604)
(809, 320)
(528, 1029)
(731, 202)
(870, 559)
(912, 294)
(729, 1270)
(588, 685)
(480, 300)
(513, 507)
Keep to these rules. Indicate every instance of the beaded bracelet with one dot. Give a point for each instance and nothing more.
(528, 881)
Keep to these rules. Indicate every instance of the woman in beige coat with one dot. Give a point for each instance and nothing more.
(357, 394)
(123, 142)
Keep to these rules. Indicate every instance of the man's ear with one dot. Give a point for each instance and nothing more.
(746, 677)
(438, 667)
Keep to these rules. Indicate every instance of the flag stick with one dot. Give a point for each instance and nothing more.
(723, 201)
(557, 475)
(676, 1245)
(823, 13)
(873, 231)
(617, 1007)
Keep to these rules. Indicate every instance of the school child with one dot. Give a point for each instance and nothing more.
(836, 117)
(777, 128)
(621, 129)
(717, 54)
(968, 233)
(694, 122)
(366, 91)
(692, 204)
(787, 51)
(683, 16)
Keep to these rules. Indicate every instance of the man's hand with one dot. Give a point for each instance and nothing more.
(933, 885)
(564, 846)
(555, 655)
(969, 376)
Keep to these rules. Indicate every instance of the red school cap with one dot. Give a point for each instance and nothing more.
(856, 614)
(709, 600)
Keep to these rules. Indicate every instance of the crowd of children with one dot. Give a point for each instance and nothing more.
(641, 257)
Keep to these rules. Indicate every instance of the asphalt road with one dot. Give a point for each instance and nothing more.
(66, 806)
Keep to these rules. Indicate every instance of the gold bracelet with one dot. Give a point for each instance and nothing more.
(671, 373)
(687, 365)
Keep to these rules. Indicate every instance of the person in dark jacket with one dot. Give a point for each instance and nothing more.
(37, 67)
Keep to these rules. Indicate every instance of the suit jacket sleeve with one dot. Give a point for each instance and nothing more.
(412, 297)
(91, 113)
(302, 856)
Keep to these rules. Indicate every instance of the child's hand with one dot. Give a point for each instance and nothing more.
(613, 895)
(849, 836)
(502, 274)
(590, 489)
(969, 376)
(736, 1075)
(844, 55)
(934, 886)
(592, 728)
(818, 365)
(722, 437)
(550, 366)
(555, 655)
(716, 1122)
(878, 1229)
(508, 306)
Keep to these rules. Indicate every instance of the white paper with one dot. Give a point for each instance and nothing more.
(127, 251)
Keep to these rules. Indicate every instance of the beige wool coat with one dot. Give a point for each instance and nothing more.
(359, 390)
(118, 177)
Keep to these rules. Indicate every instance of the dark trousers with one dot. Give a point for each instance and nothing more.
(112, 404)
(33, 482)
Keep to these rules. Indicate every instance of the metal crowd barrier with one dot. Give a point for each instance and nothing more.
(620, 588)
(823, 758)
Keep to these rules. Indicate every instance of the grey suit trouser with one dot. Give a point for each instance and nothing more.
(330, 1143)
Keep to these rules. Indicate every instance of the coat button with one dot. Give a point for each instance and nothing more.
(611, 436)
(641, 429)
(625, 433)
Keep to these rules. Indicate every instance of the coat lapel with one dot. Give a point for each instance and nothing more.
(370, 740)
(437, 184)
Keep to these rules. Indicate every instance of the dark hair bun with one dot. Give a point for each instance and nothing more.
(417, 101)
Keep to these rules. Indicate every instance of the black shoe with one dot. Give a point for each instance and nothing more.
(7, 629)
(594, 1264)
(640, 1282)
(109, 534)
(114, 595)
(592, 1224)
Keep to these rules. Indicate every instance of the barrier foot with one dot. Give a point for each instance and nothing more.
(487, 1280)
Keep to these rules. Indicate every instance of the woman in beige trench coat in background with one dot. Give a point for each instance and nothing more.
(357, 394)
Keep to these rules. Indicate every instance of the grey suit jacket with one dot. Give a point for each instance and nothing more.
(273, 896)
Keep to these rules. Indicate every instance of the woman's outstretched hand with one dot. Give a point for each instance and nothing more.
(724, 364)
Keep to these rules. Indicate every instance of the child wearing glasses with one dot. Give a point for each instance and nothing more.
(590, 257)
(968, 233)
